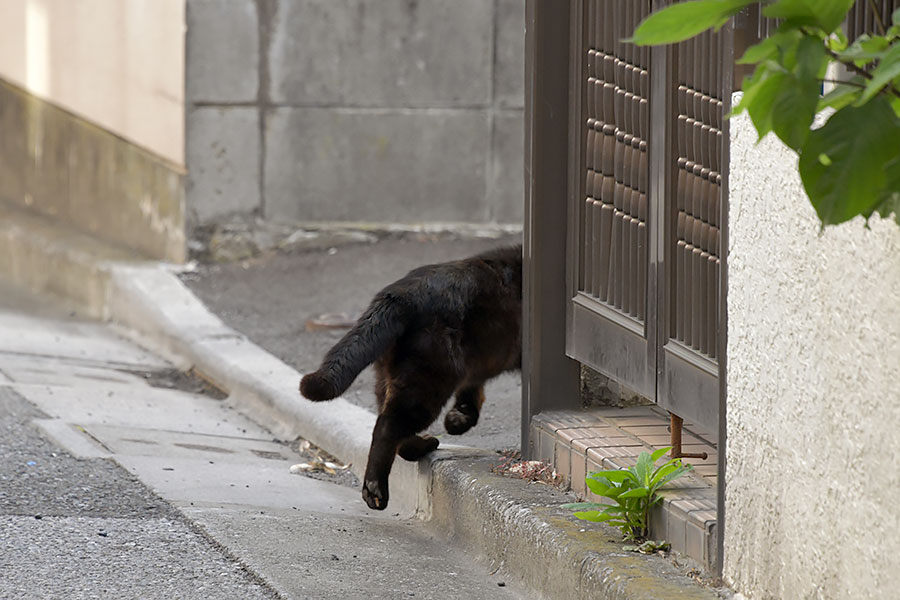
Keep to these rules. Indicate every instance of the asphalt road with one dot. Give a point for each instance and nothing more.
(270, 298)
(86, 528)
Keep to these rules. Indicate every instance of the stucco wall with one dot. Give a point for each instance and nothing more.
(118, 63)
(813, 484)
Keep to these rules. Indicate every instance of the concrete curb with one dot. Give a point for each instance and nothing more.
(515, 525)
(525, 532)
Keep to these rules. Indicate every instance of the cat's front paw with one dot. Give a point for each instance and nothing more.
(457, 422)
(375, 494)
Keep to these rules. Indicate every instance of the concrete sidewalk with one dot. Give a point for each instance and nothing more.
(517, 526)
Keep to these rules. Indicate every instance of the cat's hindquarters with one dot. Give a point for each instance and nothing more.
(374, 332)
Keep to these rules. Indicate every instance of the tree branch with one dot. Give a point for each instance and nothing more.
(838, 82)
(877, 16)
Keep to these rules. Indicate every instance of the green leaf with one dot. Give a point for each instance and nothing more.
(841, 95)
(631, 506)
(810, 58)
(662, 472)
(594, 516)
(895, 18)
(598, 487)
(794, 96)
(759, 101)
(640, 492)
(794, 109)
(890, 206)
(864, 49)
(887, 69)
(684, 20)
(672, 461)
(824, 14)
(769, 47)
(658, 453)
(614, 510)
(785, 101)
(860, 142)
(837, 41)
(889, 201)
(643, 468)
(758, 52)
(617, 476)
(680, 471)
(750, 88)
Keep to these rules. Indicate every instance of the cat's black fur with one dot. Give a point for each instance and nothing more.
(443, 329)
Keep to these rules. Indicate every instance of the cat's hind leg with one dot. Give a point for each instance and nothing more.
(416, 446)
(464, 414)
(408, 408)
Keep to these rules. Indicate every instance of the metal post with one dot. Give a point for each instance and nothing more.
(675, 426)
(549, 377)
(729, 55)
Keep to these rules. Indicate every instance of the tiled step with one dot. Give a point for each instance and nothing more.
(581, 442)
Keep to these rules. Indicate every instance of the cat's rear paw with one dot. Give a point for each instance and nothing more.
(457, 422)
(415, 447)
(375, 494)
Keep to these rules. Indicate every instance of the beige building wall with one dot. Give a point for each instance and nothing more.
(118, 63)
(812, 507)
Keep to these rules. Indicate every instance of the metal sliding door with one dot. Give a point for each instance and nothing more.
(692, 209)
(611, 317)
(647, 162)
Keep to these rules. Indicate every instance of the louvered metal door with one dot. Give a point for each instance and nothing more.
(611, 320)
(692, 207)
(647, 161)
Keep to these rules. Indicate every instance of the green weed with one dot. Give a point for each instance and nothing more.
(634, 492)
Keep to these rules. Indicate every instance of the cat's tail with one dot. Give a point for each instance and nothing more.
(374, 332)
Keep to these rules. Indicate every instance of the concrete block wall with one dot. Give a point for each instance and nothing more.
(399, 111)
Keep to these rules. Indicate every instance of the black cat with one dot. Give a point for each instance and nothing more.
(442, 329)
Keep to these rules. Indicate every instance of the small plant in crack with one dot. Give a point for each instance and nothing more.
(633, 491)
